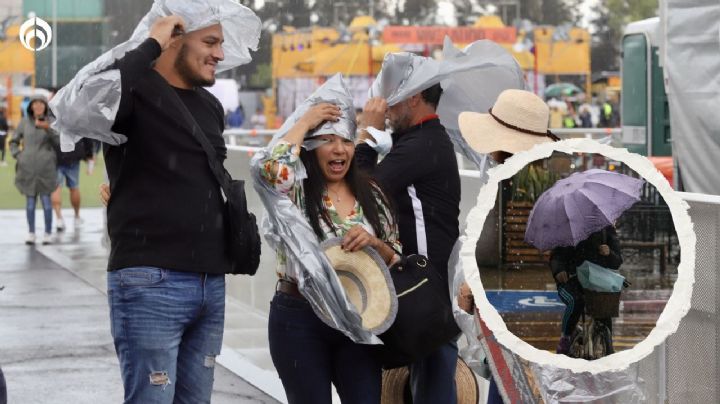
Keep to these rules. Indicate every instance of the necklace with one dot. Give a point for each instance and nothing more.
(337, 196)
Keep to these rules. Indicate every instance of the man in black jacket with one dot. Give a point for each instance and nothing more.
(420, 175)
(68, 169)
(166, 283)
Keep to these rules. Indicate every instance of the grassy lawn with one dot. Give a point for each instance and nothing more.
(10, 197)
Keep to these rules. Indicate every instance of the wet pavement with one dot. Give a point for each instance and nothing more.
(55, 344)
(526, 298)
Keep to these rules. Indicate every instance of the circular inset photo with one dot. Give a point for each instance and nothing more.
(579, 255)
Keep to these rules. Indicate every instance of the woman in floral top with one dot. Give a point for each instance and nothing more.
(337, 202)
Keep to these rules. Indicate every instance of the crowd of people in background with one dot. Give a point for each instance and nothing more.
(571, 113)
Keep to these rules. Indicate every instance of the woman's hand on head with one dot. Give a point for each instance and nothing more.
(358, 238)
(320, 113)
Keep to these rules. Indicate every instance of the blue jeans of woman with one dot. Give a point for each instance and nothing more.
(309, 356)
(167, 327)
(47, 210)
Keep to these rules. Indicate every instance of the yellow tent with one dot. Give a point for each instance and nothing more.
(351, 59)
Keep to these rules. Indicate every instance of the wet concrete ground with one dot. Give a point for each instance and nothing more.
(55, 344)
(539, 323)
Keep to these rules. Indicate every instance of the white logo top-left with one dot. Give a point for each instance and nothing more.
(38, 29)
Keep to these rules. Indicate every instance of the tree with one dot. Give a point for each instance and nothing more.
(613, 15)
(416, 12)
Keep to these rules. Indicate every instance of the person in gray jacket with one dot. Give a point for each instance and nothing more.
(36, 167)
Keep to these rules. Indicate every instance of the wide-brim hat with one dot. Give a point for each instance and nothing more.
(396, 385)
(367, 284)
(517, 122)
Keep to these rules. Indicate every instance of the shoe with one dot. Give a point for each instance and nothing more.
(47, 239)
(60, 226)
(79, 221)
(564, 345)
(30, 239)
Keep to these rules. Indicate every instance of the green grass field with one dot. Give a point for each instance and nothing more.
(10, 197)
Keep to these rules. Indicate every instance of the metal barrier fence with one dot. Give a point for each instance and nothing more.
(236, 137)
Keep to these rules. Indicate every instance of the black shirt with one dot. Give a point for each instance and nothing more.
(420, 176)
(166, 209)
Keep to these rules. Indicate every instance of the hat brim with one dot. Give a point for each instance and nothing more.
(395, 385)
(486, 135)
(367, 284)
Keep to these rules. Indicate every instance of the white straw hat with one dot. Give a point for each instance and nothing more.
(396, 385)
(517, 122)
(367, 283)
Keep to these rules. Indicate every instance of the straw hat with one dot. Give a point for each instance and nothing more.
(517, 122)
(367, 283)
(396, 385)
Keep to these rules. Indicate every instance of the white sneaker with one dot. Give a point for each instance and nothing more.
(47, 239)
(30, 239)
(60, 227)
(79, 221)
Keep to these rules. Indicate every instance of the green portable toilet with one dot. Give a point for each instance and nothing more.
(645, 117)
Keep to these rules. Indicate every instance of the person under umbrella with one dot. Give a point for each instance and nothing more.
(575, 219)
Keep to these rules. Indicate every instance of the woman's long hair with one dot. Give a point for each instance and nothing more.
(364, 189)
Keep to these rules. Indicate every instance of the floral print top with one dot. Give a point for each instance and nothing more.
(279, 170)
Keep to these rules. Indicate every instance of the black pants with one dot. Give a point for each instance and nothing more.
(309, 356)
(3, 389)
(571, 293)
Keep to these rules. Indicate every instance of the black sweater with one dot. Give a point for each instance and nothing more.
(420, 176)
(166, 209)
(569, 258)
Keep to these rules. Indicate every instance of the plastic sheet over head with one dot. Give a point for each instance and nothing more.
(287, 230)
(87, 106)
(334, 91)
(494, 71)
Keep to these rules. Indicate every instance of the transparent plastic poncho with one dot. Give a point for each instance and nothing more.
(87, 106)
(287, 230)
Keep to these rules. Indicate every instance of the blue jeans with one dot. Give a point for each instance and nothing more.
(309, 356)
(47, 210)
(168, 328)
(432, 379)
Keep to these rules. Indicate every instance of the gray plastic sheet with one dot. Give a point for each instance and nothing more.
(476, 89)
(334, 91)
(87, 106)
(692, 33)
(563, 386)
(404, 74)
(287, 230)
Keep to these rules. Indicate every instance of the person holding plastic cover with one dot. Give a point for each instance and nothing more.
(420, 175)
(337, 200)
(167, 265)
(602, 248)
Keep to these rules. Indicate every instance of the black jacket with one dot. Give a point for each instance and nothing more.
(83, 151)
(569, 258)
(420, 176)
(166, 209)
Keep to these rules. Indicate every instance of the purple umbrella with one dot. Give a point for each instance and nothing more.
(578, 206)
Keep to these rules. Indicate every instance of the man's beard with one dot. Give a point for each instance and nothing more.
(185, 71)
(402, 122)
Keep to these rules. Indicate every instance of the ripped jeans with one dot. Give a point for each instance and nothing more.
(168, 328)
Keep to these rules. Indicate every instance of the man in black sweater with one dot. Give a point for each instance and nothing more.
(420, 175)
(166, 283)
